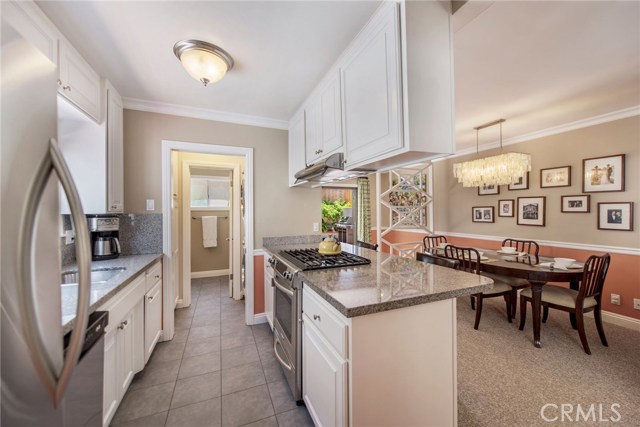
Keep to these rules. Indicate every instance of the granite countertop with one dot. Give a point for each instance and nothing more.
(388, 283)
(103, 291)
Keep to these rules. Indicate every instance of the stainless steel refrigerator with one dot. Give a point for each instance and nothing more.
(36, 370)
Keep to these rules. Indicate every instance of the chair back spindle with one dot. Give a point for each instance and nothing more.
(469, 258)
(595, 272)
(529, 246)
(431, 242)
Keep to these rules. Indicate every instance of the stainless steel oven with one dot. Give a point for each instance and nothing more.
(287, 305)
(287, 301)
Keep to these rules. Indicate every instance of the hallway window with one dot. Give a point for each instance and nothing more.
(210, 192)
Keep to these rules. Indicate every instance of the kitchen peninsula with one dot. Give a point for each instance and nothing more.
(379, 340)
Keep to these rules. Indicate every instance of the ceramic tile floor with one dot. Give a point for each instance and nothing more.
(215, 372)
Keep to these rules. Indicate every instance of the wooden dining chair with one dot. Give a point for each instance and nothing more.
(533, 250)
(469, 260)
(366, 245)
(437, 260)
(430, 243)
(577, 302)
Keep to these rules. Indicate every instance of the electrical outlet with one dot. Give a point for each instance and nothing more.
(636, 303)
(316, 226)
(615, 299)
(69, 237)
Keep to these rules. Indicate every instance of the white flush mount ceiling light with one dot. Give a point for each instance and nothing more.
(502, 169)
(203, 61)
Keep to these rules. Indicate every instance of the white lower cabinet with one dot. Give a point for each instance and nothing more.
(324, 378)
(152, 319)
(387, 368)
(135, 324)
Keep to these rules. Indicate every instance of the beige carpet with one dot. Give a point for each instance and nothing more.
(503, 380)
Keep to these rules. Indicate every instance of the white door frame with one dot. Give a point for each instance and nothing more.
(167, 147)
(234, 233)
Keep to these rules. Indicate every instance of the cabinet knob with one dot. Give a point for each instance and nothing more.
(150, 299)
(316, 317)
(320, 151)
(59, 82)
(66, 88)
(157, 276)
(123, 324)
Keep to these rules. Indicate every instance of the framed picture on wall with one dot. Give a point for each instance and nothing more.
(531, 211)
(505, 207)
(578, 204)
(522, 184)
(615, 216)
(602, 174)
(555, 177)
(486, 190)
(482, 213)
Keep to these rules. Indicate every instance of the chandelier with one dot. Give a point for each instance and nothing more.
(505, 168)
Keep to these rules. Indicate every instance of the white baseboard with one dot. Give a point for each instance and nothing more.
(619, 319)
(210, 273)
(259, 318)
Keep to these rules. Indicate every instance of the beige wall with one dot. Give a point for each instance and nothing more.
(453, 202)
(278, 209)
(208, 259)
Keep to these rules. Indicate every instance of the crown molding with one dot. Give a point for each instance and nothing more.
(579, 124)
(203, 113)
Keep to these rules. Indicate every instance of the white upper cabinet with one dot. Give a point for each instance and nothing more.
(296, 145)
(77, 81)
(396, 99)
(323, 121)
(115, 155)
(371, 90)
(33, 25)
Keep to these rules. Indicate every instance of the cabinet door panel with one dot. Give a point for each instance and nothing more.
(125, 343)
(78, 82)
(152, 319)
(312, 129)
(331, 113)
(115, 156)
(110, 387)
(371, 93)
(324, 379)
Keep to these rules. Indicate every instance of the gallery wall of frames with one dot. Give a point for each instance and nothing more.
(584, 187)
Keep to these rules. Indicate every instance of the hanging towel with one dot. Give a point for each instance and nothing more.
(210, 231)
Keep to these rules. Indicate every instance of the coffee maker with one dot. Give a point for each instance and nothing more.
(104, 237)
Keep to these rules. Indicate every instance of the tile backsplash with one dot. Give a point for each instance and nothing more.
(139, 234)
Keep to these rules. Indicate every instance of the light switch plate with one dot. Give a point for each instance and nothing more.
(69, 237)
(636, 303)
(151, 204)
(316, 226)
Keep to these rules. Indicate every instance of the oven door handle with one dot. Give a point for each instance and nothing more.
(283, 289)
(276, 341)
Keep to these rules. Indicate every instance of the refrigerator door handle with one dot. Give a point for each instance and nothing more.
(54, 384)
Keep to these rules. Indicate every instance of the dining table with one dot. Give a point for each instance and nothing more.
(538, 271)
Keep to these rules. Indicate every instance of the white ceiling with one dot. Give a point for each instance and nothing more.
(538, 64)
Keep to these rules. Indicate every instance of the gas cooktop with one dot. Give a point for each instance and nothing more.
(311, 259)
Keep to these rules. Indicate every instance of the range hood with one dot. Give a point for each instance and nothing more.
(328, 170)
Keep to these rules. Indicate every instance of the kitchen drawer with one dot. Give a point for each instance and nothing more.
(124, 301)
(332, 327)
(154, 275)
